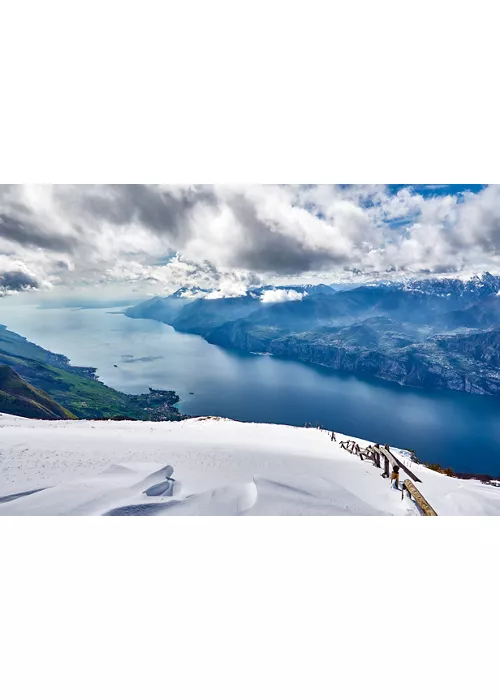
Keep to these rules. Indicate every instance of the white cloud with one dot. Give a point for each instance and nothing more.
(228, 289)
(272, 296)
(193, 293)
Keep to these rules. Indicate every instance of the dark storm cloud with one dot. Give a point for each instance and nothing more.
(266, 248)
(158, 211)
(16, 281)
(29, 234)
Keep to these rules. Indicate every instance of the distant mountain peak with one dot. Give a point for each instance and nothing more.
(476, 286)
(190, 293)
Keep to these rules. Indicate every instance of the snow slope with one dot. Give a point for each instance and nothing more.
(219, 467)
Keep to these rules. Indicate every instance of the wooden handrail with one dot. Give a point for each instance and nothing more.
(423, 504)
(394, 461)
(374, 452)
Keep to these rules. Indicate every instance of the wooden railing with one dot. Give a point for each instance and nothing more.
(422, 503)
(376, 453)
(394, 461)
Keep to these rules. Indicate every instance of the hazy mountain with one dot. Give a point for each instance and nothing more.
(202, 315)
(312, 310)
(85, 303)
(482, 314)
(165, 309)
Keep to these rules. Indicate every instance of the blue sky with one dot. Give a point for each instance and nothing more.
(438, 190)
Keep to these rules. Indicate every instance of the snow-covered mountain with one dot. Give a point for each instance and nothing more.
(190, 293)
(475, 287)
(214, 467)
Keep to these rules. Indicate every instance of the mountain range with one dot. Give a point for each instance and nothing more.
(434, 333)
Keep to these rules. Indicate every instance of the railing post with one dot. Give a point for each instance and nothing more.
(386, 466)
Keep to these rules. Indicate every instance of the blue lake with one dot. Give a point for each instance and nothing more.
(454, 429)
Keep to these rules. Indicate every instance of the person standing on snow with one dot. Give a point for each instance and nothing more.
(395, 476)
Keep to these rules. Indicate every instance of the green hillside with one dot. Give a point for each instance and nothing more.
(77, 388)
(22, 399)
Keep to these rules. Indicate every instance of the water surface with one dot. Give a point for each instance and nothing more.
(452, 428)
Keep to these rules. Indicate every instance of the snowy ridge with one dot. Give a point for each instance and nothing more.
(471, 286)
(205, 466)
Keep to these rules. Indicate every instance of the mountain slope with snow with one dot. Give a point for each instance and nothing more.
(217, 467)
